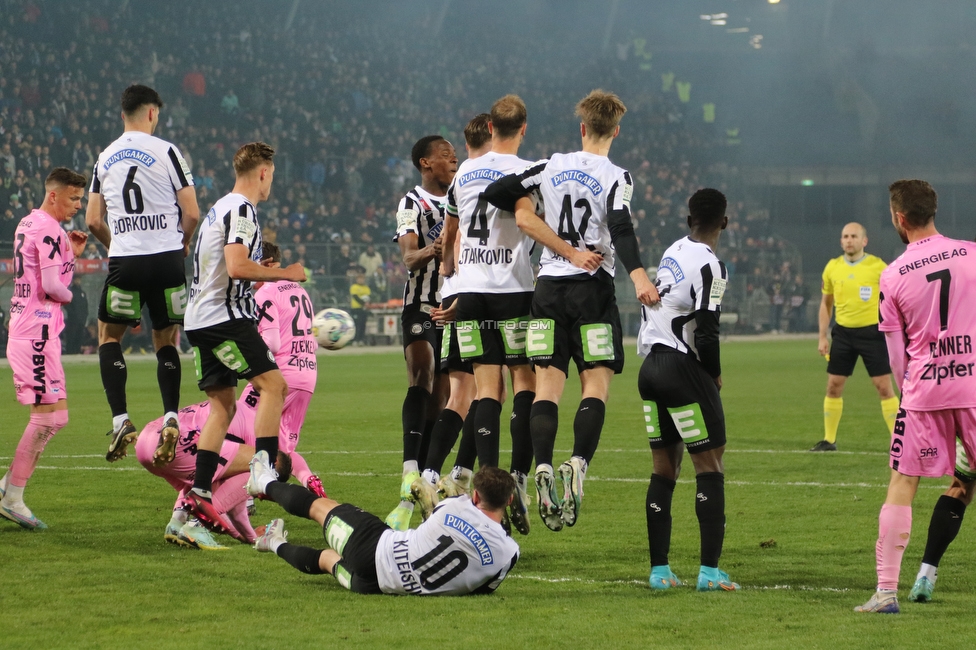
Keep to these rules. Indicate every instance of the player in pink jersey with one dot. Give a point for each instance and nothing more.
(928, 314)
(285, 316)
(44, 262)
(229, 496)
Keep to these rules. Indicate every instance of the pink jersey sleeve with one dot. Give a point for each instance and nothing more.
(929, 294)
(296, 354)
(39, 243)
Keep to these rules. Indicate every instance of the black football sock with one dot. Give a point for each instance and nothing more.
(169, 372)
(543, 424)
(207, 462)
(303, 558)
(487, 422)
(943, 528)
(521, 434)
(587, 427)
(270, 445)
(658, 505)
(294, 499)
(114, 376)
(425, 442)
(710, 508)
(468, 450)
(414, 417)
(442, 439)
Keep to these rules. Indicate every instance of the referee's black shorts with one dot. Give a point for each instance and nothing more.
(681, 402)
(849, 343)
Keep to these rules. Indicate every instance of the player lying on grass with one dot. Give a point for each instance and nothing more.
(228, 488)
(461, 549)
(944, 525)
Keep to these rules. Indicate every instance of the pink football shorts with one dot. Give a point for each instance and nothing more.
(923, 443)
(38, 373)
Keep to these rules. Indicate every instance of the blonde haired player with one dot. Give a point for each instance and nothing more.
(850, 290)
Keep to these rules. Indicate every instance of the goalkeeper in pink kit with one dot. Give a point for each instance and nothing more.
(928, 314)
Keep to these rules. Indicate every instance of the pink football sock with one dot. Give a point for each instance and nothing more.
(299, 468)
(230, 498)
(894, 529)
(39, 431)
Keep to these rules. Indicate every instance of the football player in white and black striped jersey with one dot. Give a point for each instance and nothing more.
(142, 207)
(574, 310)
(221, 321)
(679, 382)
(420, 219)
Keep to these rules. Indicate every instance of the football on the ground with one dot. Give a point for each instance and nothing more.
(333, 328)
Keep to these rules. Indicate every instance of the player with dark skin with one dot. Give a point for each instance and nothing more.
(667, 461)
(436, 173)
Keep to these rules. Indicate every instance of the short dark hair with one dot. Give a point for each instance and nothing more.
(251, 156)
(422, 148)
(916, 200)
(283, 466)
(476, 133)
(269, 250)
(136, 96)
(706, 209)
(495, 486)
(508, 116)
(64, 177)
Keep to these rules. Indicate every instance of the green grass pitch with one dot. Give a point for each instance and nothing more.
(800, 537)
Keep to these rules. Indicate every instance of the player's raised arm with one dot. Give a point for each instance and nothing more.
(504, 192)
(241, 267)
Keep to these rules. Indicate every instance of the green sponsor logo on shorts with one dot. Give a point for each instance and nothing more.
(176, 302)
(230, 355)
(469, 339)
(540, 338)
(689, 422)
(652, 421)
(122, 303)
(446, 341)
(337, 534)
(196, 363)
(597, 342)
(513, 335)
(342, 576)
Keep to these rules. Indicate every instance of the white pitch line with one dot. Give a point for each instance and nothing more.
(590, 581)
(385, 452)
(598, 479)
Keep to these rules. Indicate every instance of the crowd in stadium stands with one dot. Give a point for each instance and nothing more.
(343, 110)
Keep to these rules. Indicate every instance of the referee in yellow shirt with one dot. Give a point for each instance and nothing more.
(850, 285)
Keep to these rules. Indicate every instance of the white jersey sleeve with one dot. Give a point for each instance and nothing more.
(138, 176)
(458, 550)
